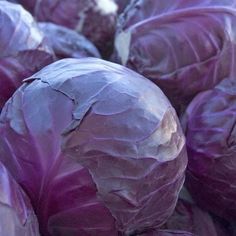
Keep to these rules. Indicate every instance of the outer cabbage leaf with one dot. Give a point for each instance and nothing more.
(22, 46)
(133, 147)
(68, 43)
(183, 46)
(62, 192)
(96, 19)
(16, 213)
(210, 130)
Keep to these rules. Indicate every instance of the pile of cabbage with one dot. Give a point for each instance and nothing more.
(117, 118)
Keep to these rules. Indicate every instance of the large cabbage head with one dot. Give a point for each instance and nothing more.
(211, 142)
(67, 43)
(22, 46)
(183, 46)
(16, 213)
(96, 19)
(97, 147)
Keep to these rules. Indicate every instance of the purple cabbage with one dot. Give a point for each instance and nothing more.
(68, 43)
(16, 213)
(96, 19)
(210, 131)
(22, 46)
(93, 164)
(185, 47)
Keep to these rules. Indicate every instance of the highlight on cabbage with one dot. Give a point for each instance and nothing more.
(96, 19)
(23, 48)
(185, 47)
(67, 43)
(92, 163)
(16, 213)
(209, 124)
